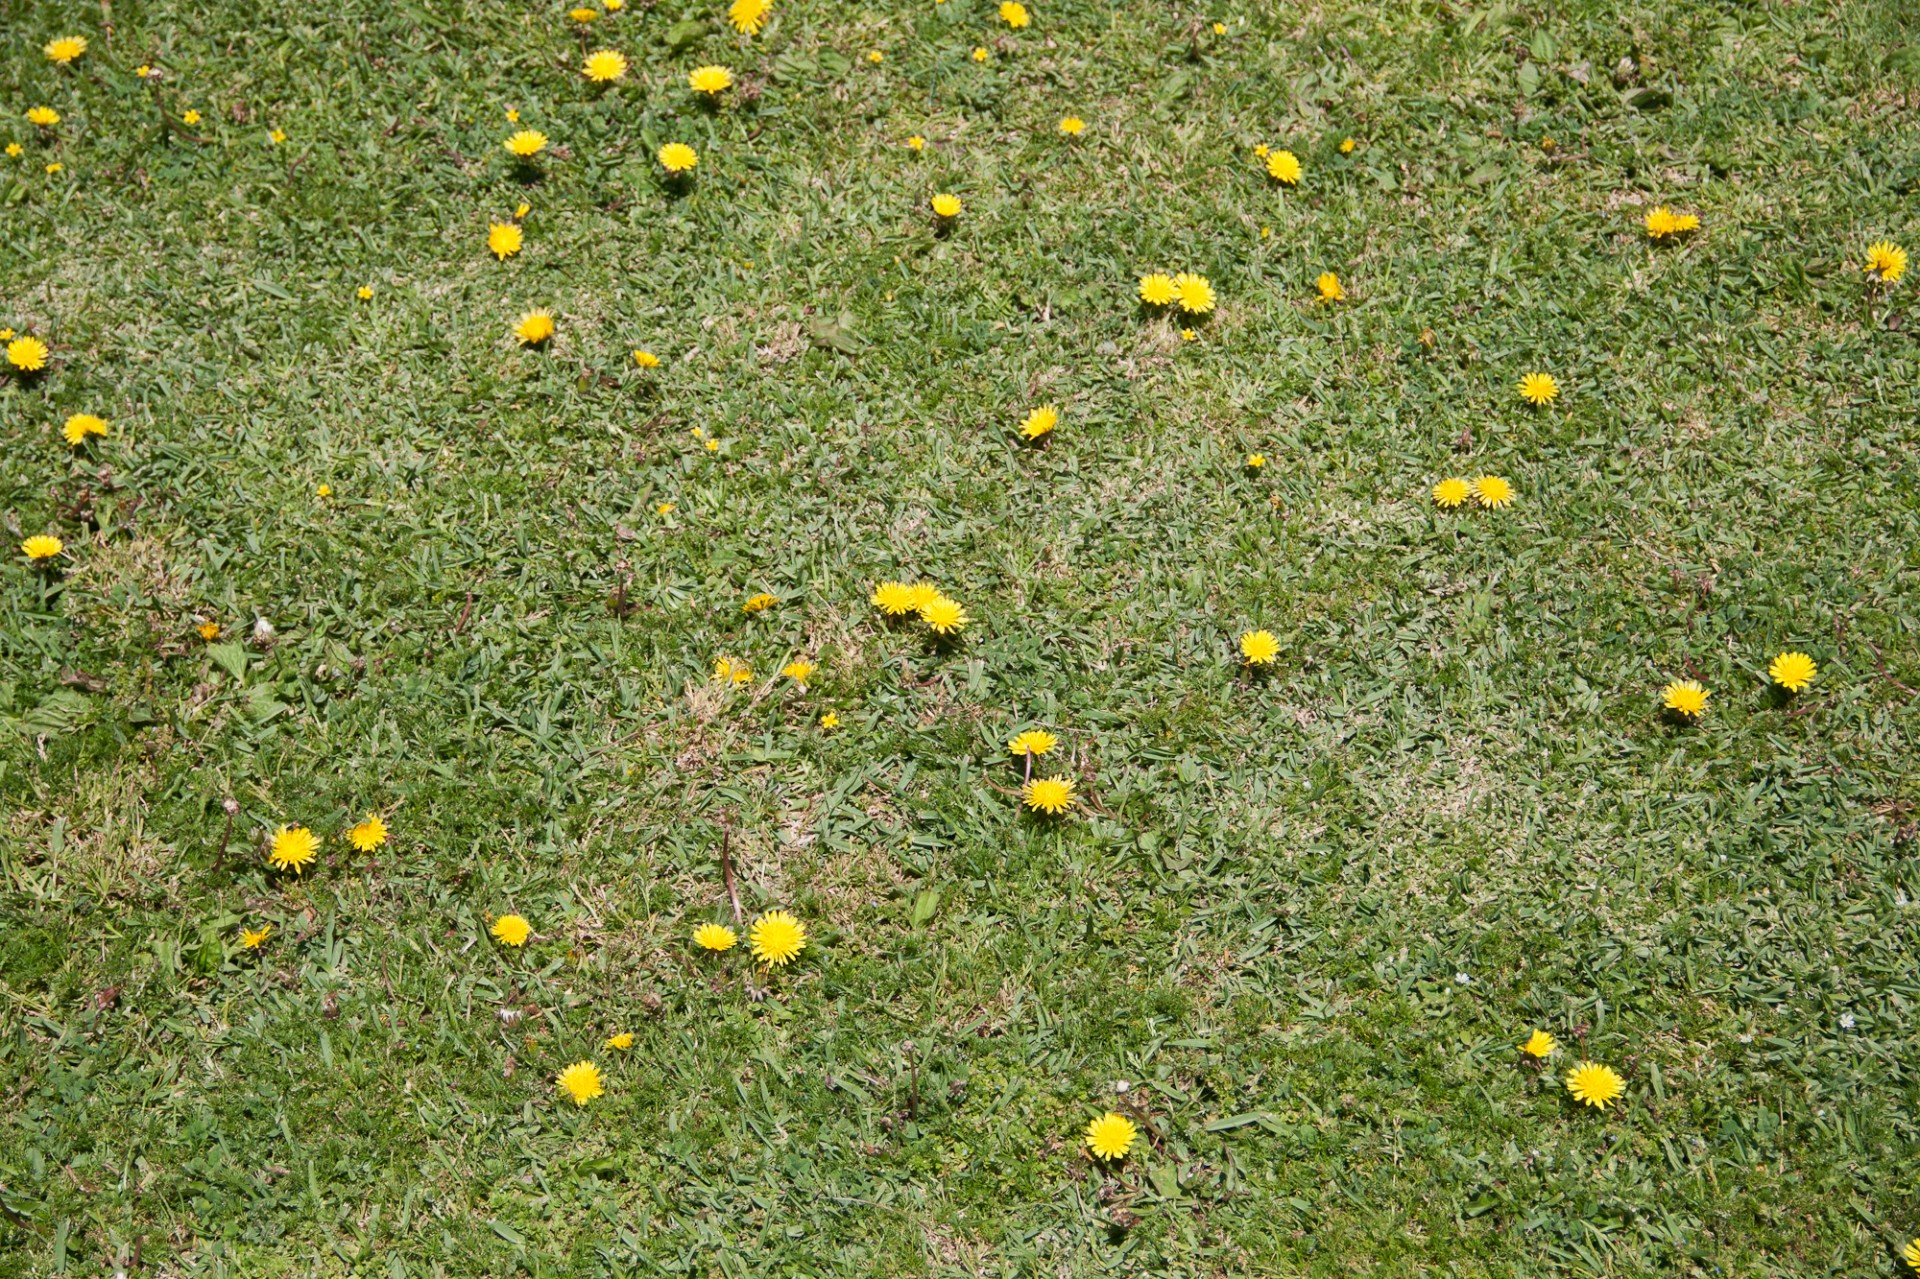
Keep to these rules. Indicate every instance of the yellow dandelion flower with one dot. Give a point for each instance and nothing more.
(748, 16)
(55, 167)
(895, 599)
(1219, 28)
(1685, 697)
(876, 57)
(710, 79)
(143, 71)
(511, 930)
(1157, 289)
(1330, 288)
(503, 239)
(581, 1081)
(664, 509)
(614, 6)
(916, 143)
(208, 630)
(276, 136)
(944, 616)
(28, 354)
(799, 671)
(1595, 1085)
(1188, 335)
(1050, 795)
(677, 158)
(65, 49)
(1792, 671)
(1685, 222)
(1886, 261)
(713, 446)
(714, 937)
(1260, 151)
(80, 426)
(364, 293)
(946, 206)
(621, 1042)
(535, 327)
(255, 938)
(527, 143)
(42, 546)
(646, 359)
(45, 117)
(759, 603)
(513, 115)
(1255, 461)
(1260, 648)
(1073, 126)
(1539, 388)
(1035, 741)
(323, 490)
(1539, 1044)
(14, 149)
(923, 594)
(728, 671)
(830, 720)
(604, 66)
(369, 834)
(1015, 14)
(1110, 1136)
(1450, 493)
(1347, 146)
(1911, 1255)
(583, 15)
(293, 847)
(1660, 222)
(521, 210)
(1284, 166)
(190, 117)
(1492, 492)
(777, 937)
(1039, 422)
(980, 54)
(1195, 293)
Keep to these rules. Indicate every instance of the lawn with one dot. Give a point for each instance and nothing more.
(348, 547)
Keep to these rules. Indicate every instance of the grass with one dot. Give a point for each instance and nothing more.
(1305, 918)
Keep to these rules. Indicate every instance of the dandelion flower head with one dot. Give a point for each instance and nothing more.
(1330, 288)
(799, 671)
(710, 79)
(1451, 492)
(944, 616)
(535, 327)
(503, 239)
(715, 937)
(916, 143)
(1260, 648)
(65, 49)
(1539, 388)
(255, 938)
(511, 930)
(1685, 697)
(1492, 492)
(1539, 1044)
(1595, 1085)
(620, 1042)
(28, 354)
(369, 834)
(1015, 14)
(777, 937)
(895, 599)
(1195, 293)
(1050, 795)
(946, 205)
(293, 847)
(80, 426)
(1039, 422)
(1792, 671)
(1283, 166)
(45, 117)
(678, 157)
(646, 359)
(604, 66)
(42, 546)
(526, 143)
(1886, 261)
(1110, 1136)
(1035, 741)
(1073, 126)
(581, 1081)
(1157, 289)
(748, 16)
